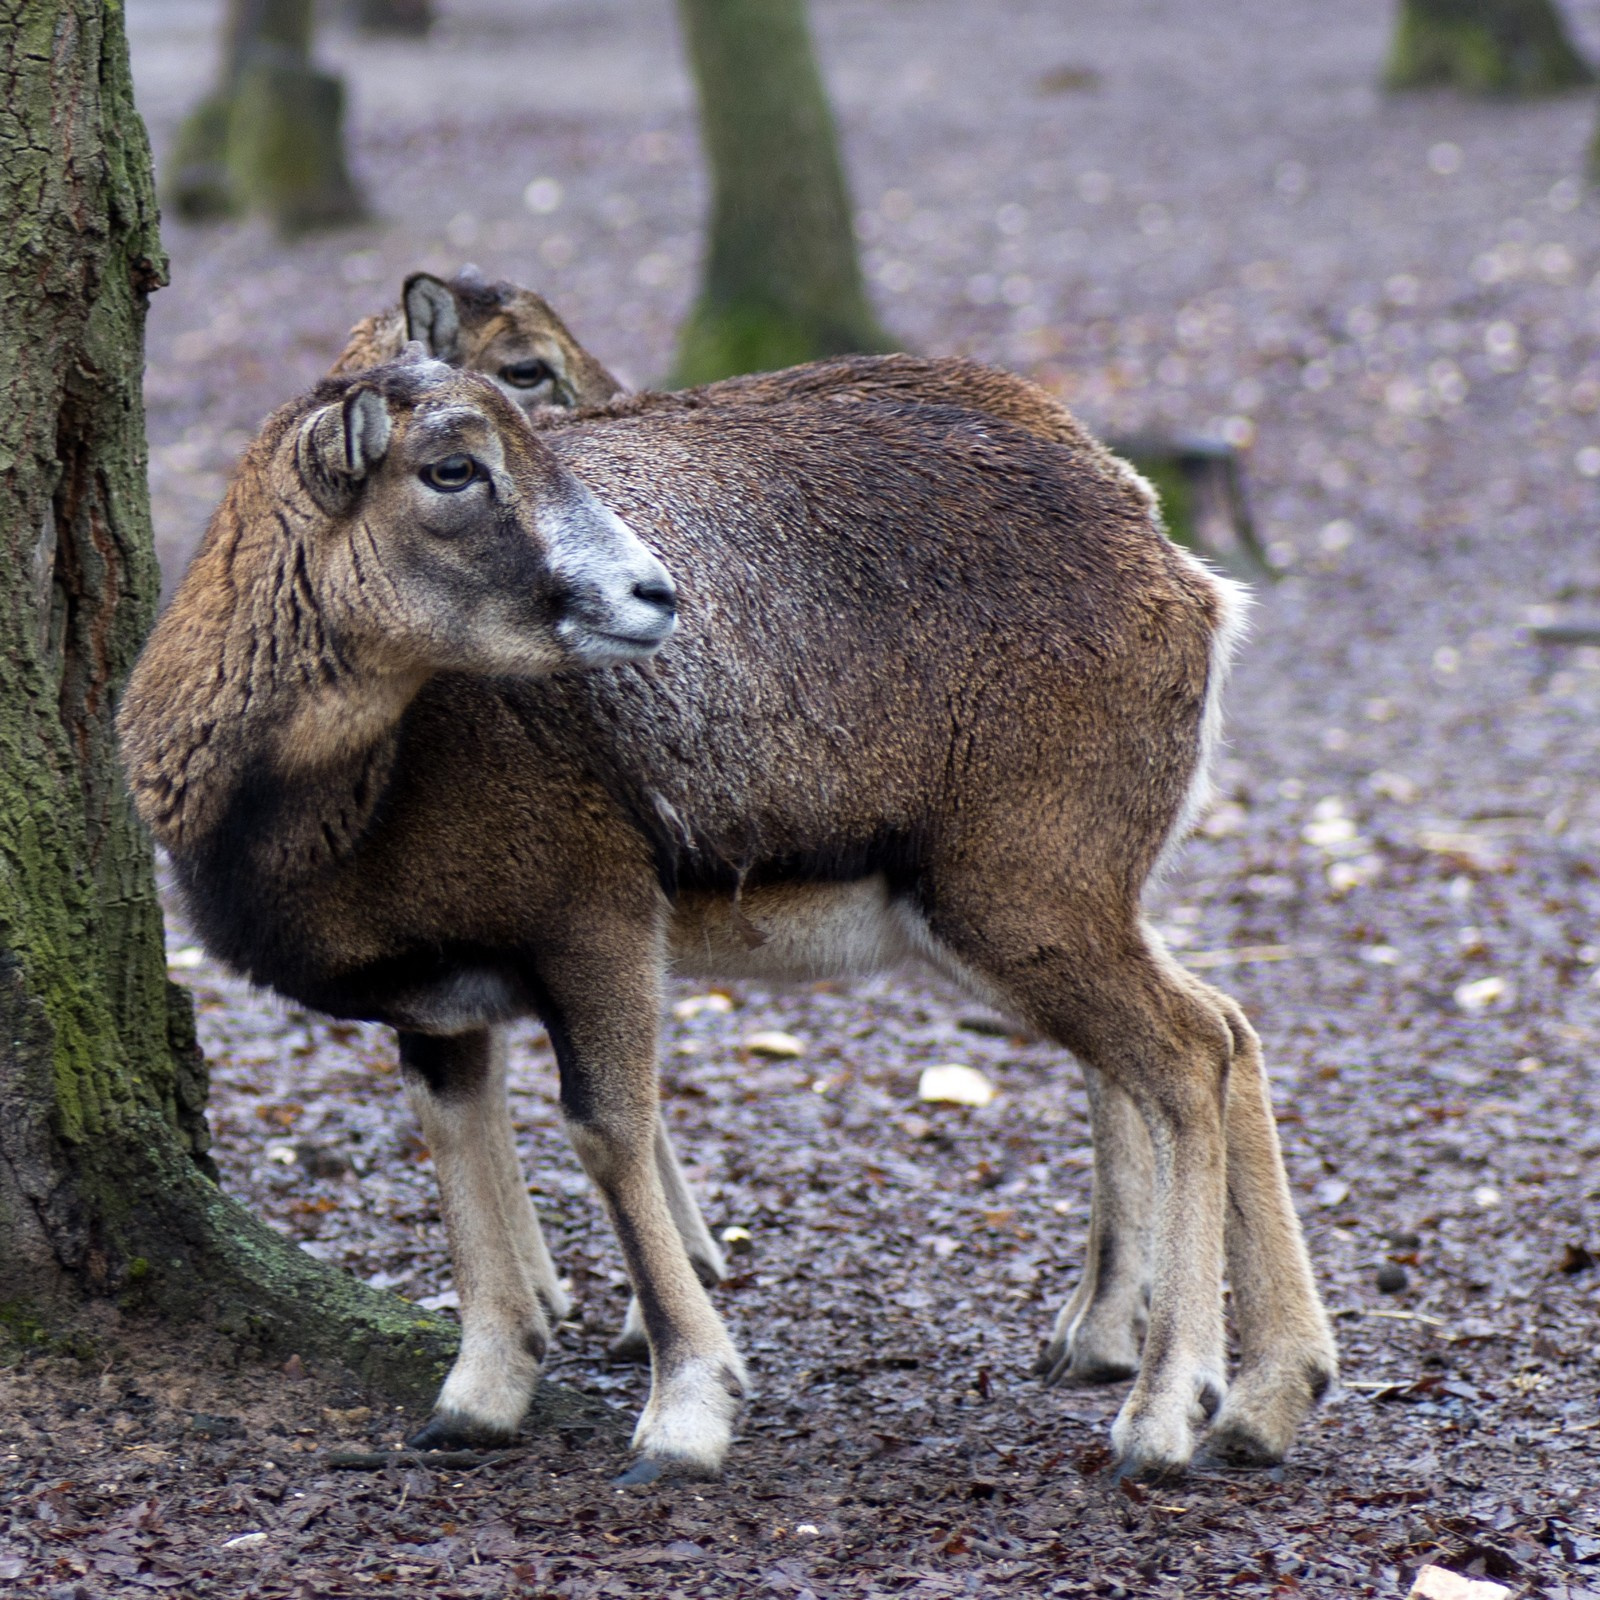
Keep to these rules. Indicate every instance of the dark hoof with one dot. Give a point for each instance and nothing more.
(1235, 1448)
(1127, 1472)
(645, 1471)
(1103, 1372)
(1055, 1372)
(632, 1350)
(455, 1433)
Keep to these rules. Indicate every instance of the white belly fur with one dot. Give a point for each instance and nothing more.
(795, 931)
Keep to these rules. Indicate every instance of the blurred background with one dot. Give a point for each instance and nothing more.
(1207, 219)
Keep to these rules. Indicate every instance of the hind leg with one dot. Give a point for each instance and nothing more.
(1100, 1330)
(1287, 1354)
(1077, 964)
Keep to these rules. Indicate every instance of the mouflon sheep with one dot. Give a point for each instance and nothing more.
(454, 720)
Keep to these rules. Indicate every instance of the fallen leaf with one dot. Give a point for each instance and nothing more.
(1575, 1258)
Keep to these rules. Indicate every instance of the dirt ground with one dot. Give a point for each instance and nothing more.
(1179, 217)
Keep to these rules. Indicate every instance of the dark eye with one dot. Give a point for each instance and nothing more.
(527, 374)
(450, 475)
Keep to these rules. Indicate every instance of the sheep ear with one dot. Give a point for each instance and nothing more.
(366, 430)
(433, 316)
(340, 444)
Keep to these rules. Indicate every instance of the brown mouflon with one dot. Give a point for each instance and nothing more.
(502, 328)
(454, 720)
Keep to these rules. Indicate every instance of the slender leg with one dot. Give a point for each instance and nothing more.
(1287, 1355)
(632, 1343)
(503, 1272)
(1099, 1331)
(603, 1014)
(1074, 960)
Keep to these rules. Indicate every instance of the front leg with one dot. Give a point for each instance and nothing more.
(632, 1343)
(503, 1272)
(604, 1005)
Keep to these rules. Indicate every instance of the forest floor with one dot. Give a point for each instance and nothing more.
(1178, 217)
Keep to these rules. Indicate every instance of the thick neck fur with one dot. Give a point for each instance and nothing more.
(246, 684)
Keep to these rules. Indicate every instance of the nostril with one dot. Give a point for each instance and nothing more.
(656, 592)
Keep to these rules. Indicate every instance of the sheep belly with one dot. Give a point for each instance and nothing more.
(792, 931)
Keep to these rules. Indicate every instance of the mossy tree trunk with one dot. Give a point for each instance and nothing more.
(270, 139)
(105, 1186)
(782, 282)
(1510, 47)
(409, 19)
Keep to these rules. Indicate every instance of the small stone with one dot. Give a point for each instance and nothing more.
(1482, 994)
(1392, 1278)
(1440, 1583)
(1331, 1192)
(955, 1085)
(737, 1241)
(779, 1046)
(245, 1541)
(716, 1004)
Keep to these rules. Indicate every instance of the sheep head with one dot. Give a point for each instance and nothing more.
(508, 333)
(452, 538)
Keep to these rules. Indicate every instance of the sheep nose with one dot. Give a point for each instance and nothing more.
(657, 592)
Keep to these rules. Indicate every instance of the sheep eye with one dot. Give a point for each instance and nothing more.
(451, 475)
(527, 374)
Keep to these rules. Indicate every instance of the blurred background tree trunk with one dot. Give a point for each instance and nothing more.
(106, 1189)
(409, 19)
(782, 282)
(1512, 47)
(270, 138)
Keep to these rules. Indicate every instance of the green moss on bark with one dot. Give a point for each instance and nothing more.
(781, 280)
(270, 138)
(1491, 47)
(104, 1179)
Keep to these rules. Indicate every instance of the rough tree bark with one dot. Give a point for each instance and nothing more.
(1511, 47)
(781, 280)
(105, 1186)
(270, 138)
